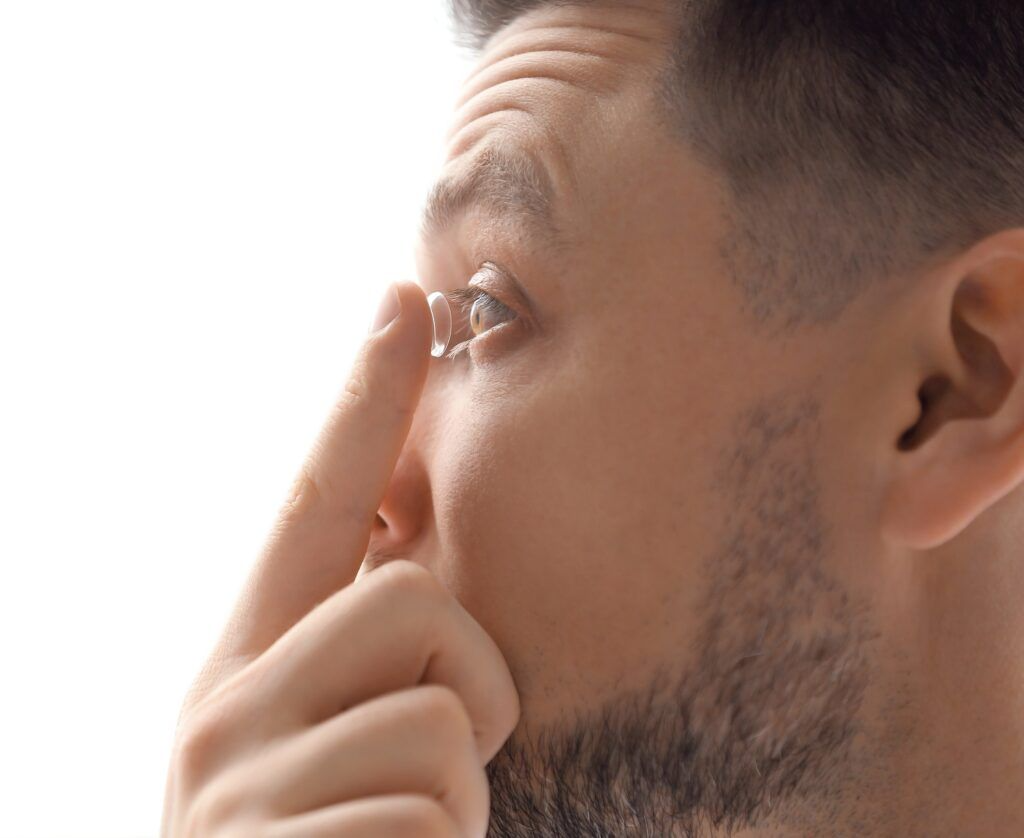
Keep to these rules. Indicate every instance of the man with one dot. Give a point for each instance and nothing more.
(727, 477)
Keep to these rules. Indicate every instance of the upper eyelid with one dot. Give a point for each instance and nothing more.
(487, 284)
(465, 297)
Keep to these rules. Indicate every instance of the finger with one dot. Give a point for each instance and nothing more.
(416, 740)
(397, 628)
(383, 816)
(323, 530)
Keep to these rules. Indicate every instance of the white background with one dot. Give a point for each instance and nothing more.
(200, 203)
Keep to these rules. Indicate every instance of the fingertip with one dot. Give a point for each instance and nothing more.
(413, 326)
(414, 303)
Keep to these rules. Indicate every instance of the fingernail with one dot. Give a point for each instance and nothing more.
(390, 308)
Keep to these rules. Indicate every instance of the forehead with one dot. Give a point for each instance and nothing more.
(577, 90)
(563, 83)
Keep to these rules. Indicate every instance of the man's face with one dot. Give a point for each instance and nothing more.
(621, 485)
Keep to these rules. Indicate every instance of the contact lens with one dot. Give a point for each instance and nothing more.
(441, 313)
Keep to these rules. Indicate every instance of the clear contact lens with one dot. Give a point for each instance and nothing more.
(441, 312)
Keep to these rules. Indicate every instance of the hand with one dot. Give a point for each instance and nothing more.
(332, 707)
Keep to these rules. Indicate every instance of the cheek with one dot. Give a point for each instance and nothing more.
(574, 538)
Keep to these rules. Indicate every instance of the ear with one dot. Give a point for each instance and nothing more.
(966, 450)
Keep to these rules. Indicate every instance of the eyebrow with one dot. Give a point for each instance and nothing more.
(500, 179)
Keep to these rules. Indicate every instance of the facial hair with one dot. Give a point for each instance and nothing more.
(763, 720)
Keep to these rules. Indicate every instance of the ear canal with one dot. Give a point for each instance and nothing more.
(980, 392)
(931, 392)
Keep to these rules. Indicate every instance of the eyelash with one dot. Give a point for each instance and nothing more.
(465, 298)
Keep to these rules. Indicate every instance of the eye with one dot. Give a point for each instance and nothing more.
(481, 313)
(484, 310)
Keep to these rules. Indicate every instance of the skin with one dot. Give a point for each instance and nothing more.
(643, 565)
(584, 494)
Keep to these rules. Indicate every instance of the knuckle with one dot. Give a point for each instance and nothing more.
(304, 495)
(328, 502)
(509, 709)
(199, 743)
(357, 388)
(453, 742)
(214, 810)
(196, 745)
(313, 494)
(444, 713)
(514, 711)
(365, 387)
(406, 579)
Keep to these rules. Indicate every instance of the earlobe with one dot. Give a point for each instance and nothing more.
(966, 452)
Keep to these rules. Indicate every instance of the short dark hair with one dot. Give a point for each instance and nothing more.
(859, 140)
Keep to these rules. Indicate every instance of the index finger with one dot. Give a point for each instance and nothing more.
(323, 529)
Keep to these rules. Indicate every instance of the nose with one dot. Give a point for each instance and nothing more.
(403, 516)
(405, 522)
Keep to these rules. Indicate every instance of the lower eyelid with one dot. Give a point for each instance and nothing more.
(479, 343)
(501, 332)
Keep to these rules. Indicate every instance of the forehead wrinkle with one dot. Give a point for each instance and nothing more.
(538, 90)
(494, 108)
(557, 40)
(538, 65)
(535, 81)
(568, 39)
(551, 47)
(640, 22)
